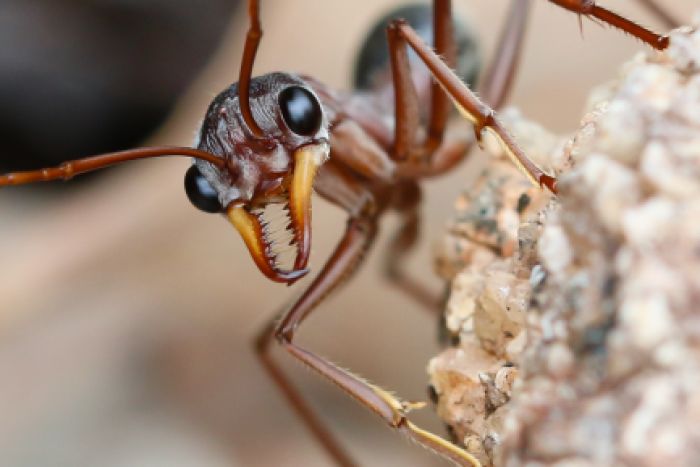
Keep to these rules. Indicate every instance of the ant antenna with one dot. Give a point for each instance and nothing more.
(68, 169)
(252, 41)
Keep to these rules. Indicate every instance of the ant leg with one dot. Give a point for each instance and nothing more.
(319, 430)
(406, 108)
(481, 115)
(342, 262)
(660, 12)
(353, 148)
(346, 258)
(497, 83)
(340, 188)
(406, 113)
(589, 9)
(445, 46)
(402, 243)
(358, 236)
(499, 77)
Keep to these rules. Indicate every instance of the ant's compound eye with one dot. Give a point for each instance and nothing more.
(300, 110)
(200, 192)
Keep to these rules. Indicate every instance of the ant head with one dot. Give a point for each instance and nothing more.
(274, 163)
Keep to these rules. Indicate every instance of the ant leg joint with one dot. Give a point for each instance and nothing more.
(488, 120)
(285, 335)
(397, 23)
(67, 170)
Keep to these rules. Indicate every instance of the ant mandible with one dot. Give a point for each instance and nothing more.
(277, 138)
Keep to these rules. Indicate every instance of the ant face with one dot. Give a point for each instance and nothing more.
(277, 168)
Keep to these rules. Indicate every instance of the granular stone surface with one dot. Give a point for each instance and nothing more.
(574, 319)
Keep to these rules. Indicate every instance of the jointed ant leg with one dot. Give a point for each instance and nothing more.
(498, 79)
(469, 105)
(407, 113)
(445, 46)
(498, 82)
(347, 255)
(495, 88)
(339, 266)
(589, 9)
(358, 237)
(334, 184)
(406, 110)
(402, 243)
(319, 430)
(359, 234)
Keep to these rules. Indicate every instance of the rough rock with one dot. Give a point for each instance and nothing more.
(575, 318)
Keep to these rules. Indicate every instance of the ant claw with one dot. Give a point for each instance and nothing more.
(549, 182)
(409, 406)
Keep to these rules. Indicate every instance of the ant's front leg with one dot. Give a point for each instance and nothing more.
(590, 9)
(346, 258)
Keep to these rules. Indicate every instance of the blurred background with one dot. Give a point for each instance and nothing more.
(126, 316)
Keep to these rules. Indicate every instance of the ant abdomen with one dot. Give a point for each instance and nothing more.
(372, 63)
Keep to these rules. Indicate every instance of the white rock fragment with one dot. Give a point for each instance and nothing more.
(666, 174)
(652, 87)
(684, 50)
(687, 104)
(554, 249)
(648, 319)
(620, 133)
(560, 361)
(612, 187)
(646, 225)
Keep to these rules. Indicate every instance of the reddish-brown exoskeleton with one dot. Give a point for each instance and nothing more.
(278, 137)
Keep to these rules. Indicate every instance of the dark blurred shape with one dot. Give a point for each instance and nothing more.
(373, 60)
(81, 78)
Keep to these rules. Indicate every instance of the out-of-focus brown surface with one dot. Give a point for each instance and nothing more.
(126, 315)
(96, 76)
